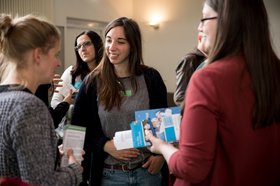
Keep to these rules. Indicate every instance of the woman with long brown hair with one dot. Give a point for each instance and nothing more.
(120, 85)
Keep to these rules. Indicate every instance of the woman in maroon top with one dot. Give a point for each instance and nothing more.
(230, 132)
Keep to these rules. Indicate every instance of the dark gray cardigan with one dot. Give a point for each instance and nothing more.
(28, 143)
(86, 112)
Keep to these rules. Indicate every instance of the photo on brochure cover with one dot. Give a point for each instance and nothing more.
(164, 123)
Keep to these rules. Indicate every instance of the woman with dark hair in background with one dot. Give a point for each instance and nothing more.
(184, 70)
(230, 131)
(89, 51)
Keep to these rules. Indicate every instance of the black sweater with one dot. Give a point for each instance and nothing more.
(85, 113)
(59, 111)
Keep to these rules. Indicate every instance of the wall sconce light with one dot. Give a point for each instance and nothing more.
(154, 25)
(154, 22)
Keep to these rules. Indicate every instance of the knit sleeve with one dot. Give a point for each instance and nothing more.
(35, 144)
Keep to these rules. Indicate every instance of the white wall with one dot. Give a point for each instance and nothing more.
(177, 34)
(273, 9)
(99, 10)
(164, 47)
(96, 10)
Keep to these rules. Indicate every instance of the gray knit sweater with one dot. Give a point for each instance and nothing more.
(28, 144)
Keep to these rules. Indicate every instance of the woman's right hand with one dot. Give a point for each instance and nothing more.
(125, 154)
(156, 142)
(70, 154)
(71, 157)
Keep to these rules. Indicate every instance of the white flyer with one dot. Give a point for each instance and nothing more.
(73, 138)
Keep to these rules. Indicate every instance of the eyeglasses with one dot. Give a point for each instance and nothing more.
(85, 44)
(208, 18)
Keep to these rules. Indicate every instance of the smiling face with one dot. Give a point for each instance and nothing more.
(200, 44)
(207, 28)
(117, 47)
(86, 49)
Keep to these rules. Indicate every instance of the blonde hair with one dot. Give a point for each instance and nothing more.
(3, 66)
(21, 34)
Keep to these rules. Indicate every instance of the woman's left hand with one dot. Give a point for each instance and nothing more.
(154, 164)
(125, 154)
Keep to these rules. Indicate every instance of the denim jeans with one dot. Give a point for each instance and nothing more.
(139, 177)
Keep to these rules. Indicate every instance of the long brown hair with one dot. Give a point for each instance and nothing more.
(109, 86)
(243, 27)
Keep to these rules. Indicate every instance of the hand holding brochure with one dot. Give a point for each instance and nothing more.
(164, 123)
(73, 138)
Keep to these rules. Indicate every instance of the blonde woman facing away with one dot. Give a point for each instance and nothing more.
(30, 49)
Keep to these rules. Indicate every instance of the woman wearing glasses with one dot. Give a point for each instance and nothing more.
(230, 131)
(88, 51)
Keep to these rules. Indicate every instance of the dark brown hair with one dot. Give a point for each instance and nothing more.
(243, 27)
(109, 86)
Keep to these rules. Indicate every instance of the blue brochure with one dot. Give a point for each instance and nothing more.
(164, 123)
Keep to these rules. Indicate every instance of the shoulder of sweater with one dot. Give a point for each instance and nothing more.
(26, 99)
(24, 107)
(220, 70)
(231, 63)
(150, 71)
